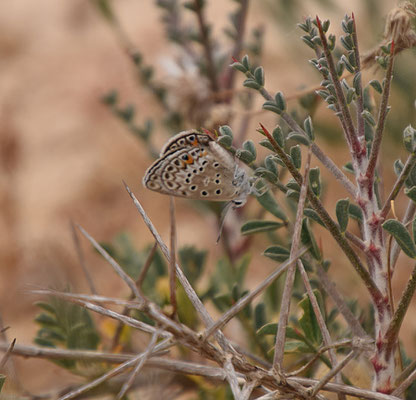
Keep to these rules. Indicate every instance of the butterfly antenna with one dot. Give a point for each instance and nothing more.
(224, 213)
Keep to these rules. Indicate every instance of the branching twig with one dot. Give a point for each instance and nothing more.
(120, 272)
(290, 277)
(172, 261)
(82, 259)
(321, 323)
(140, 363)
(334, 371)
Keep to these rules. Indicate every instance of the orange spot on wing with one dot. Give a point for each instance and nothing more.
(190, 160)
(195, 143)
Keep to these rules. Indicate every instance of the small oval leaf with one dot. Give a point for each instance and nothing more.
(341, 210)
(277, 253)
(257, 226)
(268, 201)
(402, 236)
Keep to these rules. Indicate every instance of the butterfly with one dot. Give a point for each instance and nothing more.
(193, 165)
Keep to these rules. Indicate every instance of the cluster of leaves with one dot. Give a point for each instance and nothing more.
(65, 325)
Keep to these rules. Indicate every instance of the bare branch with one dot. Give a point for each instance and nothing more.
(279, 347)
(81, 259)
(145, 355)
(115, 371)
(120, 272)
(172, 260)
(321, 322)
(339, 301)
(332, 373)
(406, 383)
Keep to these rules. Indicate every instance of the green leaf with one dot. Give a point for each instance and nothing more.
(268, 201)
(271, 164)
(298, 137)
(376, 85)
(277, 253)
(225, 141)
(257, 226)
(315, 180)
(411, 193)
(280, 101)
(292, 184)
(245, 61)
(296, 347)
(308, 126)
(271, 106)
(239, 67)
(259, 316)
(278, 136)
(308, 322)
(414, 229)
(251, 83)
(242, 268)
(355, 212)
(46, 320)
(313, 215)
(402, 236)
(225, 130)
(265, 173)
(409, 139)
(2, 380)
(308, 239)
(368, 118)
(259, 75)
(44, 342)
(348, 167)
(249, 146)
(265, 143)
(341, 210)
(268, 329)
(192, 262)
(296, 156)
(293, 194)
(245, 156)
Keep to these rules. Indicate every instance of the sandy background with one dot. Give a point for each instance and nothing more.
(64, 155)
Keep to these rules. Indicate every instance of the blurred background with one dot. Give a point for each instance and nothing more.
(64, 153)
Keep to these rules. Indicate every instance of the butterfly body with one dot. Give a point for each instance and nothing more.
(195, 166)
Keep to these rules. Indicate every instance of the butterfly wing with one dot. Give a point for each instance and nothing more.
(199, 172)
(191, 138)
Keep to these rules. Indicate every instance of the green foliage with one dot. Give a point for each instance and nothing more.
(67, 326)
(402, 236)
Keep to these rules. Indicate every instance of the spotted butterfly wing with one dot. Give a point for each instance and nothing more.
(194, 166)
